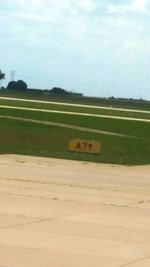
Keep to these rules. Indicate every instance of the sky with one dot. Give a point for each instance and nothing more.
(95, 47)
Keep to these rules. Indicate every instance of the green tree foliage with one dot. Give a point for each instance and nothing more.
(58, 91)
(11, 85)
(19, 85)
(2, 76)
(63, 92)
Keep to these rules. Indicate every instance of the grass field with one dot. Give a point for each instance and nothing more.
(78, 109)
(120, 103)
(31, 138)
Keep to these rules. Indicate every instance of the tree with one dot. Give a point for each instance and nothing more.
(58, 91)
(63, 92)
(12, 85)
(19, 85)
(2, 77)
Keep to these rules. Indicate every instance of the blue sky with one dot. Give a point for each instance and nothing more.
(96, 47)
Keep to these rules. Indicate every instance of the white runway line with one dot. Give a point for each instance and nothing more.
(75, 105)
(77, 113)
(68, 126)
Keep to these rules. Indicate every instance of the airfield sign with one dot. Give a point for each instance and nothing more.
(84, 146)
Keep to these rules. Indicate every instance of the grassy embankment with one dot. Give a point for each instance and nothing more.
(47, 140)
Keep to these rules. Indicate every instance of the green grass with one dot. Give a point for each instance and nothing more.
(133, 128)
(120, 103)
(32, 139)
(76, 109)
(52, 141)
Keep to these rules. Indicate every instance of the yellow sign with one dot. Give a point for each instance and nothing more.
(84, 146)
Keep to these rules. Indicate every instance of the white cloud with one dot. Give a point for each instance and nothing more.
(139, 5)
(86, 5)
(75, 39)
(134, 6)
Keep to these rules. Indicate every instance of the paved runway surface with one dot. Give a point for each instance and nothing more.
(67, 213)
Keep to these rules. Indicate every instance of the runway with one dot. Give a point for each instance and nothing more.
(67, 213)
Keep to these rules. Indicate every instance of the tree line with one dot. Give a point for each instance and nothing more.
(21, 86)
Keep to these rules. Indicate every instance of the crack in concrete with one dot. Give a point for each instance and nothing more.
(23, 224)
(135, 261)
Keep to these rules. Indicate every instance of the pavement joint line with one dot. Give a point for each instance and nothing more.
(23, 224)
(135, 261)
(82, 186)
(75, 201)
